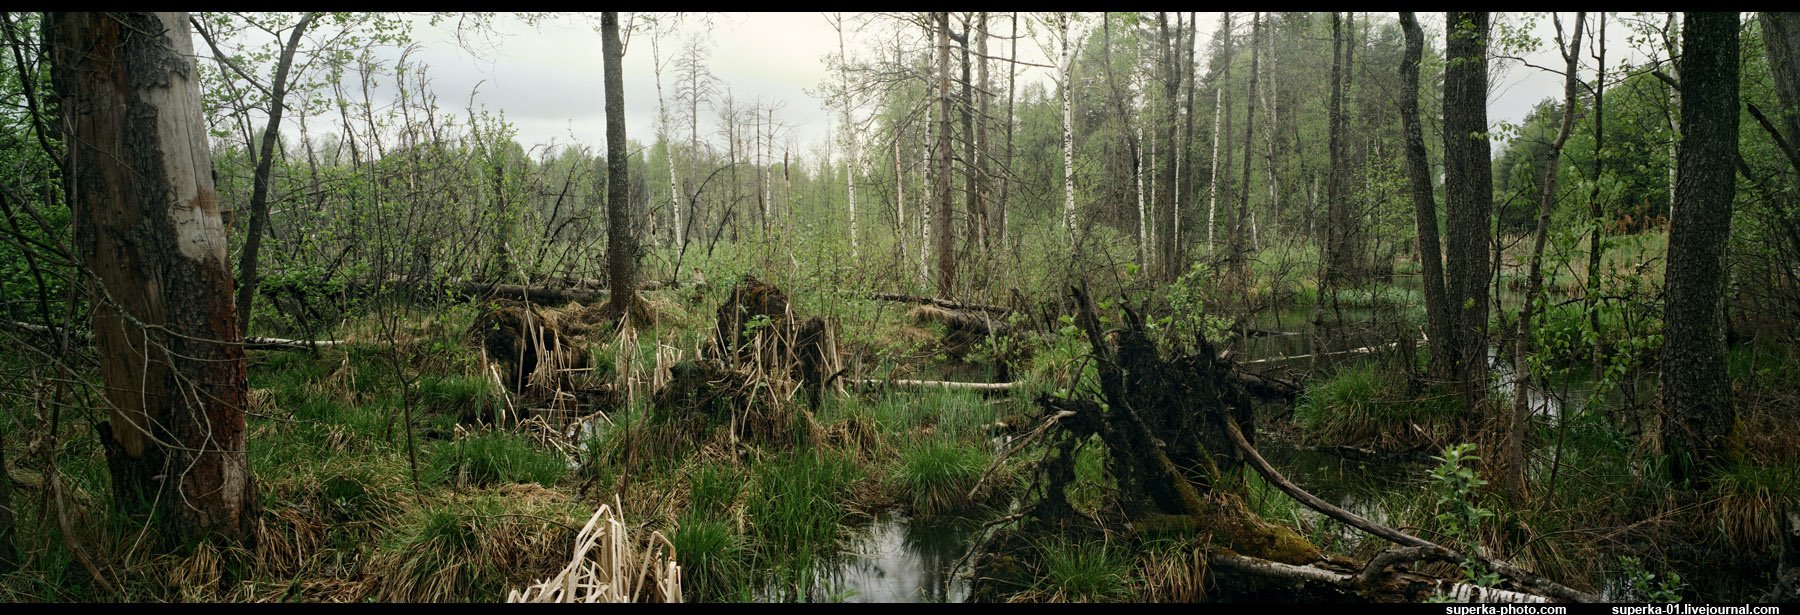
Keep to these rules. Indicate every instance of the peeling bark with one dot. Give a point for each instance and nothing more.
(148, 229)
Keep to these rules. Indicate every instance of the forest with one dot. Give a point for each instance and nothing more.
(1038, 307)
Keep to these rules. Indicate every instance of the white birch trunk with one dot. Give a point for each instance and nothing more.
(1212, 199)
(1068, 134)
(849, 140)
(1143, 215)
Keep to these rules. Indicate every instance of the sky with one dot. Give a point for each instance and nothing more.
(547, 77)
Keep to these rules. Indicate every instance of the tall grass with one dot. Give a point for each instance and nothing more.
(939, 474)
(495, 457)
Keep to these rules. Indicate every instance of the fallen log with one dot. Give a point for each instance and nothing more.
(1363, 350)
(1265, 386)
(969, 323)
(954, 386)
(276, 343)
(1506, 569)
(943, 303)
(1461, 592)
(252, 343)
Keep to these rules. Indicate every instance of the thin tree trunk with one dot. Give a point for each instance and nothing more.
(1222, 97)
(259, 192)
(1068, 126)
(1269, 99)
(946, 247)
(148, 228)
(1512, 463)
(1185, 186)
(1597, 217)
(1335, 261)
(1143, 215)
(1006, 179)
(850, 141)
(983, 146)
(662, 130)
(1696, 412)
(1437, 309)
(1238, 251)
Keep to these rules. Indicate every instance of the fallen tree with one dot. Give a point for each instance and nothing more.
(1177, 429)
(253, 343)
(962, 306)
(986, 387)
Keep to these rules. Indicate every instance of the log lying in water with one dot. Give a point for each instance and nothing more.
(1525, 578)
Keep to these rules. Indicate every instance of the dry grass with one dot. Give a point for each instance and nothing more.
(609, 567)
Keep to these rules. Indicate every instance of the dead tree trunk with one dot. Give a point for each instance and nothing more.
(148, 229)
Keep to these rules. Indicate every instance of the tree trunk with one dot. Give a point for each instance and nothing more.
(1696, 409)
(1437, 308)
(1185, 155)
(849, 140)
(662, 130)
(984, 146)
(1511, 460)
(259, 192)
(1337, 263)
(1468, 198)
(1006, 178)
(1781, 43)
(1222, 91)
(621, 246)
(148, 228)
(946, 246)
(9, 550)
(1068, 135)
(1239, 252)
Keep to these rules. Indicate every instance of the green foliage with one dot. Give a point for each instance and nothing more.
(939, 474)
(1459, 512)
(495, 457)
(1643, 584)
(1084, 572)
(714, 557)
(797, 501)
(1367, 404)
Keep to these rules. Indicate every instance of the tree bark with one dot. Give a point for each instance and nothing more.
(1781, 43)
(1696, 412)
(259, 191)
(1418, 167)
(621, 245)
(1468, 198)
(148, 229)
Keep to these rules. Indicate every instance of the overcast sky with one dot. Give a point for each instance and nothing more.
(548, 78)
